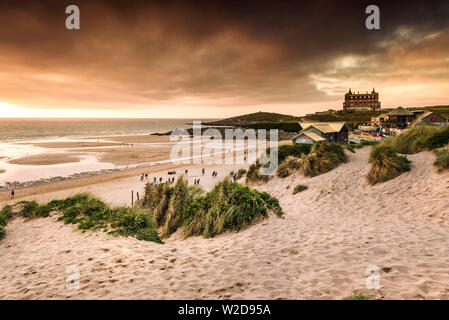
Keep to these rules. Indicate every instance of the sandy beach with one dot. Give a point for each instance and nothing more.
(330, 234)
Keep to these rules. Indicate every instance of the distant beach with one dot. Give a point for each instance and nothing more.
(40, 149)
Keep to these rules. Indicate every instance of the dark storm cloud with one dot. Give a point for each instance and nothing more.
(221, 52)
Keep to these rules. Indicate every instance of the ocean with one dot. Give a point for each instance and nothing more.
(17, 134)
(15, 129)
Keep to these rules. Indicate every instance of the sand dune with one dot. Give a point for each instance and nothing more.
(320, 250)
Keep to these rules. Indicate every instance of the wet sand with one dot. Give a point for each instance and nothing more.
(121, 156)
(72, 144)
(47, 159)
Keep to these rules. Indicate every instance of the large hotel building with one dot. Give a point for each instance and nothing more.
(361, 101)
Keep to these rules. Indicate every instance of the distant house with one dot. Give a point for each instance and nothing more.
(402, 118)
(314, 132)
(428, 118)
(379, 119)
(307, 138)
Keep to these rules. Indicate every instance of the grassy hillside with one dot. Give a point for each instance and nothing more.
(256, 117)
(441, 110)
(349, 116)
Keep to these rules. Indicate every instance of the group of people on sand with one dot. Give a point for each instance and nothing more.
(233, 176)
(159, 181)
(197, 181)
(144, 176)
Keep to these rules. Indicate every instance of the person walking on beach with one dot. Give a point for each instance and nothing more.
(203, 171)
(12, 194)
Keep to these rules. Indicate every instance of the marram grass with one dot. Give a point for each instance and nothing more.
(323, 158)
(90, 213)
(442, 159)
(386, 164)
(229, 206)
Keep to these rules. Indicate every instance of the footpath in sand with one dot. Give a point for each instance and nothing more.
(330, 234)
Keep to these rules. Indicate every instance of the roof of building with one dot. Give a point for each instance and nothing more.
(400, 111)
(420, 117)
(326, 127)
(312, 135)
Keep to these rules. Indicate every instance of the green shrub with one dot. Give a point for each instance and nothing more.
(169, 203)
(361, 144)
(253, 174)
(28, 209)
(438, 140)
(91, 213)
(240, 173)
(322, 158)
(6, 211)
(288, 166)
(3, 220)
(2, 232)
(386, 164)
(70, 214)
(359, 295)
(43, 210)
(418, 139)
(136, 222)
(299, 188)
(442, 159)
(228, 207)
(295, 150)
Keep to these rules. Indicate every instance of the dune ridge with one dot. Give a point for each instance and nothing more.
(330, 234)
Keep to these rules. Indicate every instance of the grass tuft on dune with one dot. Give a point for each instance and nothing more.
(229, 206)
(90, 213)
(442, 159)
(165, 208)
(359, 295)
(253, 175)
(386, 164)
(169, 204)
(419, 139)
(322, 158)
(288, 166)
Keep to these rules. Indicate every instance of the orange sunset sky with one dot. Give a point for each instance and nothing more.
(214, 59)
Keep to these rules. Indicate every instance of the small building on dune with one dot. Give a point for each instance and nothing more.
(315, 132)
(402, 118)
(379, 119)
(307, 138)
(399, 118)
(427, 118)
